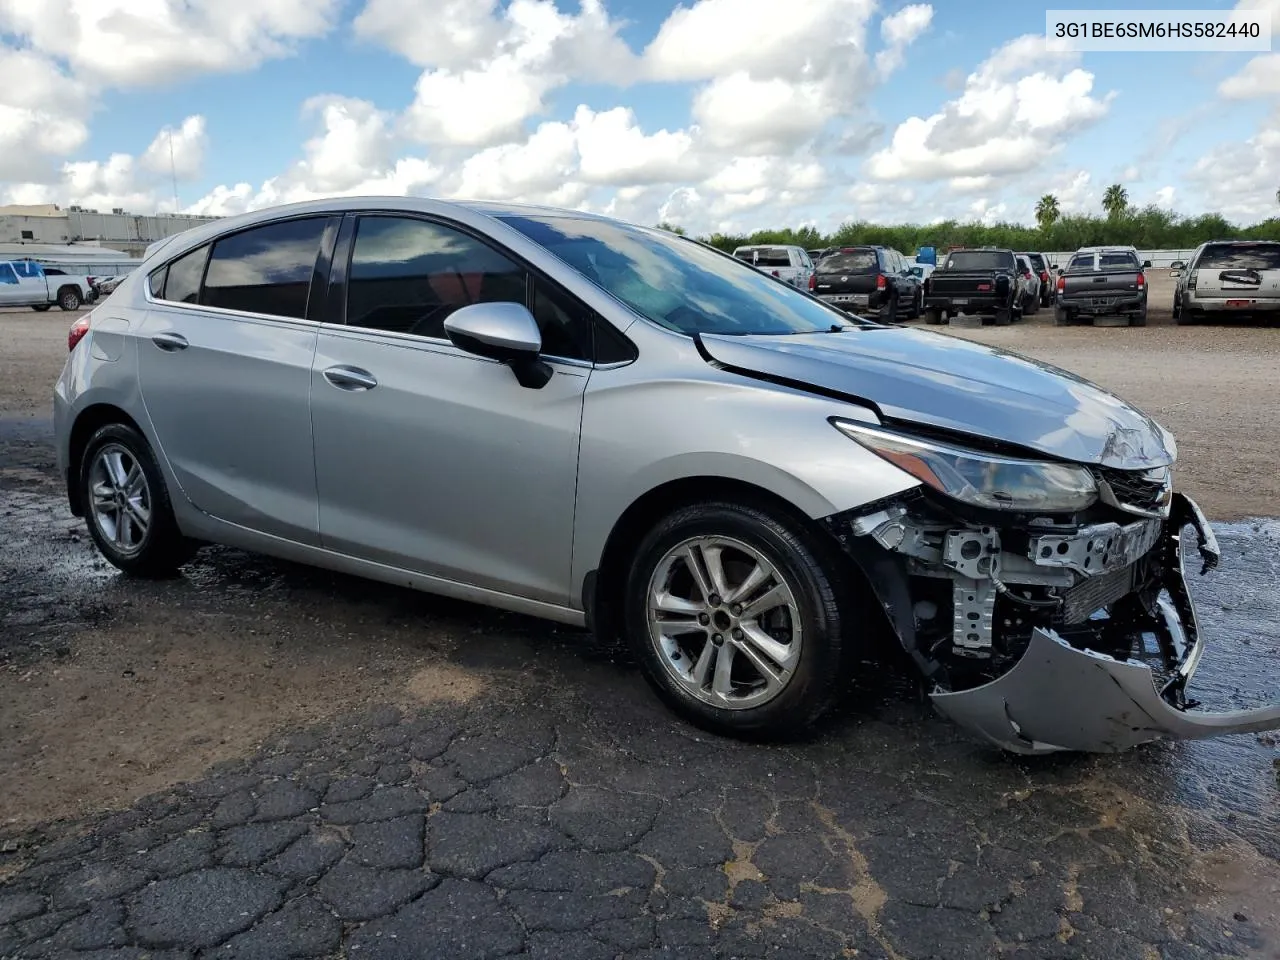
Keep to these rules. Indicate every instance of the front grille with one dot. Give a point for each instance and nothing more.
(1146, 491)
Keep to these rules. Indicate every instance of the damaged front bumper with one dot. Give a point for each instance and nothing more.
(1043, 626)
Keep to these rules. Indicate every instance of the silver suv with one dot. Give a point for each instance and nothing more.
(620, 428)
(1229, 278)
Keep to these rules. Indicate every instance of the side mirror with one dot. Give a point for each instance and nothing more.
(1177, 265)
(505, 332)
(1146, 264)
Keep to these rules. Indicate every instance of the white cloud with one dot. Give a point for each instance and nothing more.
(1164, 197)
(1007, 121)
(146, 42)
(178, 152)
(1260, 77)
(508, 63)
(1239, 180)
(42, 116)
(899, 31)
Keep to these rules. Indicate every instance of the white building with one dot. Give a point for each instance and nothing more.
(127, 233)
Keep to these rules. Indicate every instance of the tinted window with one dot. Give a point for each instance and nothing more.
(7, 274)
(1241, 256)
(1037, 262)
(183, 282)
(765, 257)
(408, 275)
(675, 282)
(611, 346)
(264, 270)
(565, 324)
(856, 261)
(980, 260)
(1106, 260)
(55, 272)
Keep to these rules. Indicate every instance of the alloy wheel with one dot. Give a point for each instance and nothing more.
(724, 622)
(120, 498)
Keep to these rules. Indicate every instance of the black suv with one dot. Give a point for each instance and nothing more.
(870, 278)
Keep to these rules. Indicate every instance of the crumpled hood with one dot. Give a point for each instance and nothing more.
(954, 384)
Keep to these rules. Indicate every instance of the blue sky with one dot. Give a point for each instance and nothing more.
(751, 108)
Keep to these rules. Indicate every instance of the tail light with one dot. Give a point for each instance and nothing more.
(1044, 276)
(1141, 279)
(775, 273)
(881, 282)
(813, 281)
(983, 287)
(1062, 283)
(77, 331)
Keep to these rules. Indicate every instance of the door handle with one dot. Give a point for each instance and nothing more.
(351, 378)
(170, 341)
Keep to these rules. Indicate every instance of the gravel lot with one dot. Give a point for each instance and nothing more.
(263, 760)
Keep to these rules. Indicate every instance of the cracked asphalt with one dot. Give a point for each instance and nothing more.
(262, 760)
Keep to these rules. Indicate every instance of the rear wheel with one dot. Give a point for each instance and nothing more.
(69, 299)
(1031, 306)
(42, 307)
(1138, 319)
(933, 317)
(1061, 318)
(1004, 317)
(732, 611)
(917, 305)
(127, 505)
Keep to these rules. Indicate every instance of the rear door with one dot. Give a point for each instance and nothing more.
(1244, 271)
(224, 360)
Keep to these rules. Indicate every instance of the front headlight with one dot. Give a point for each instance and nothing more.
(980, 479)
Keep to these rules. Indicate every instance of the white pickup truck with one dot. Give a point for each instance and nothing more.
(25, 283)
(786, 262)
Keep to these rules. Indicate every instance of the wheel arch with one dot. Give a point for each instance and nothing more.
(86, 424)
(602, 586)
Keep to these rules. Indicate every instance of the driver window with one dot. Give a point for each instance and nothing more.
(408, 275)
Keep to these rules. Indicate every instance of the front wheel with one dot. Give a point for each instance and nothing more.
(127, 505)
(732, 612)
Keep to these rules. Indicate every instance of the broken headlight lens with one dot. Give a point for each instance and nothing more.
(980, 479)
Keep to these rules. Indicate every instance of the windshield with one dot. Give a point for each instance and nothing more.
(1037, 261)
(853, 261)
(677, 283)
(980, 260)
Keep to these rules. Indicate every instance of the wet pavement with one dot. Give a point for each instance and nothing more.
(556, 810)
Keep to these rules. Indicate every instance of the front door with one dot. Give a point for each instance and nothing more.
(224, 362)
(11, 292)
(429, 458)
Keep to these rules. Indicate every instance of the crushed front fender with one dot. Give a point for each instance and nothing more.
(1059, 698)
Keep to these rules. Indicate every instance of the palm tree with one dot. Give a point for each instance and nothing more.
(1047, 211)
(1115, 201)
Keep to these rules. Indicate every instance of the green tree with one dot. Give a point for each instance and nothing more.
(1115, 201)
(1047, 211)
(672, 228)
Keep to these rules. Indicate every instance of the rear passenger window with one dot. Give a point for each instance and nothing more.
(183, 282)
(263, 270)
(408, 275)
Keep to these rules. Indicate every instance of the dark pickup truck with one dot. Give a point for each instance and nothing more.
(1102, 282)
(982, 282)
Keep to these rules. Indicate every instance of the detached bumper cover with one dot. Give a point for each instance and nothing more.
(1058, 697)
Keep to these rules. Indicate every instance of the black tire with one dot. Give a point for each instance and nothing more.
(933, 317)
(1184, 319)
(1138, 319)
(889, 312)
(1061, 318)
(811, 570)
(69, 299)
(917, 306)
(41, 308)
(1032, 306)
(1004, 317)
(162, 548)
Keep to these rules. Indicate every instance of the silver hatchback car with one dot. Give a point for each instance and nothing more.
(617, 427)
